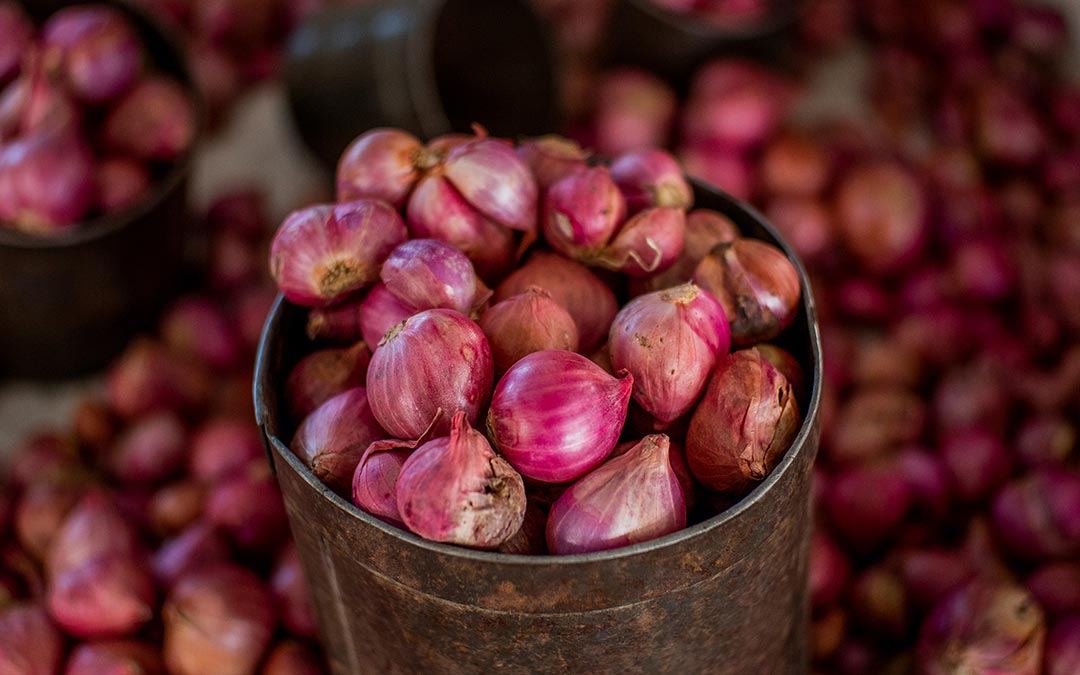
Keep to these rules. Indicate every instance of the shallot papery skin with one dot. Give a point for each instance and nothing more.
(435, 360)
(552, 158)
(331, 440)
(525, 323)
(702, 231)
(436, 210)
(677, 459)
(154, 121)
(757, 286)
(455, 489)
(430, 274)
(582, 212)
(669, 341)
(321, 254)
(584, 295)
(882, 215)
(1037, 516)
(985, 627)
(16, 33)
(1063, 647)
(95, 48)
(374, 485)
(46, 182)
(488, 173)
(323, 374)
(743, 425)
(648, 243)
(380, 311)
(379, 164)
(556, 415)
(650, 178)
(629, 499)
(122, 657)
(29, 643)
(218, 620)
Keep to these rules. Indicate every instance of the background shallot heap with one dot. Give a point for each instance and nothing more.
(490, 321)
(86, 123)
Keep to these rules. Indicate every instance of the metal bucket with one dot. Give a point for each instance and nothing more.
(728, 595)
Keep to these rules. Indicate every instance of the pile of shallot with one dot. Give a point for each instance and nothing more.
(517, 348)
(149, 536)
(941, 234)
(86, 123)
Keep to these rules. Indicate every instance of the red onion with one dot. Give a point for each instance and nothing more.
(200, 545)
(436, 210)
(41, 512)
(147, 378)
(110, 596)
(875, 421)
(1007, 128)
(16, 34)
(932, 574)
(650, 178)
(342, 323)
(323, 374)
(196, 328)
(292, 658)
(757, 286)
(983, 628)
(233, 262)
(93, 529)
(431, 274)
(552, 158)
(634, 111)
(735, 103)
(331, 440)
(374, 486)
(434, 360)
(805, 223)
(866, 504)
(1044, 440)
(928, 481)
(291, 593)
(727, 168)
(154, 121)
(1056, 586)
(249, 508)
(829, 571)
(743, 425)
(121, 183)
(827, 634)
(380, 311)
(882, 215)
(795, 165)
(222, 447)
(151, 450)
(582, 212)
(29, 643)
(494, 180)
(1063, 647)
(555, 415)
(115, 658)
(669, 341)
(530, 539)
(96, 49)
(703, 230)
(176, 505)
(629, 499)
(456, 489)
(587, 298)
(217, 620)
(379, 164)
(46, 182)
(1038, 516)
(321, 254)
(677, 459)
(879, 603)
(649, 242)
(94, 425)
(977, 462)
(525, 323)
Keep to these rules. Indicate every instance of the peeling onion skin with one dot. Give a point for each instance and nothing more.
(631, 498)
(457, 490)
(743, 425)
(556, 415)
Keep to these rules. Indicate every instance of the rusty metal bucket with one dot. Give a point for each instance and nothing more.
(728, 595)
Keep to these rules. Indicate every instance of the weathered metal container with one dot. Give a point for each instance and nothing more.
(728, 595)
(428, 66)
(70, 303)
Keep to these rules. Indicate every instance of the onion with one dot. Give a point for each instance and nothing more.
(456, 489)
(291, 592)
(379, 164)
(866, 504)
(649, 178)
(200, 545)
(525, 323)
(805, 223)
(147, 378)
(495, 181)
(1038, 516)
(40, 512)
(110, 596)
(16, 34)
(115, 658)
(879, 602)
(46, 182)
(380, 311)
(729, 169)
(95, 48)
(743, 425)
(1056, 586)
(829, 571)
(431, 274)
(150, 450)
(555, 415)
(175, 506)
(121, 183)
(1044, 440)
(374, 486)
(629, 499)
(875, 421)
(321, 254)
(932, 574)
(292, 658)
(734, 103)
(323, 374)
(435, 360)
(197, 328)
(677, 458)
(669, 341)
(154, 121)
(1063, 647)
(331, 440)
(582, 212)
(552, 158)
(248, 507)
(882, 215)
(795, 165)
(634, 110)
(648, 243)
(29, 643)
(221, 447)
(703, 230)
(530, 538)
(977, 462)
